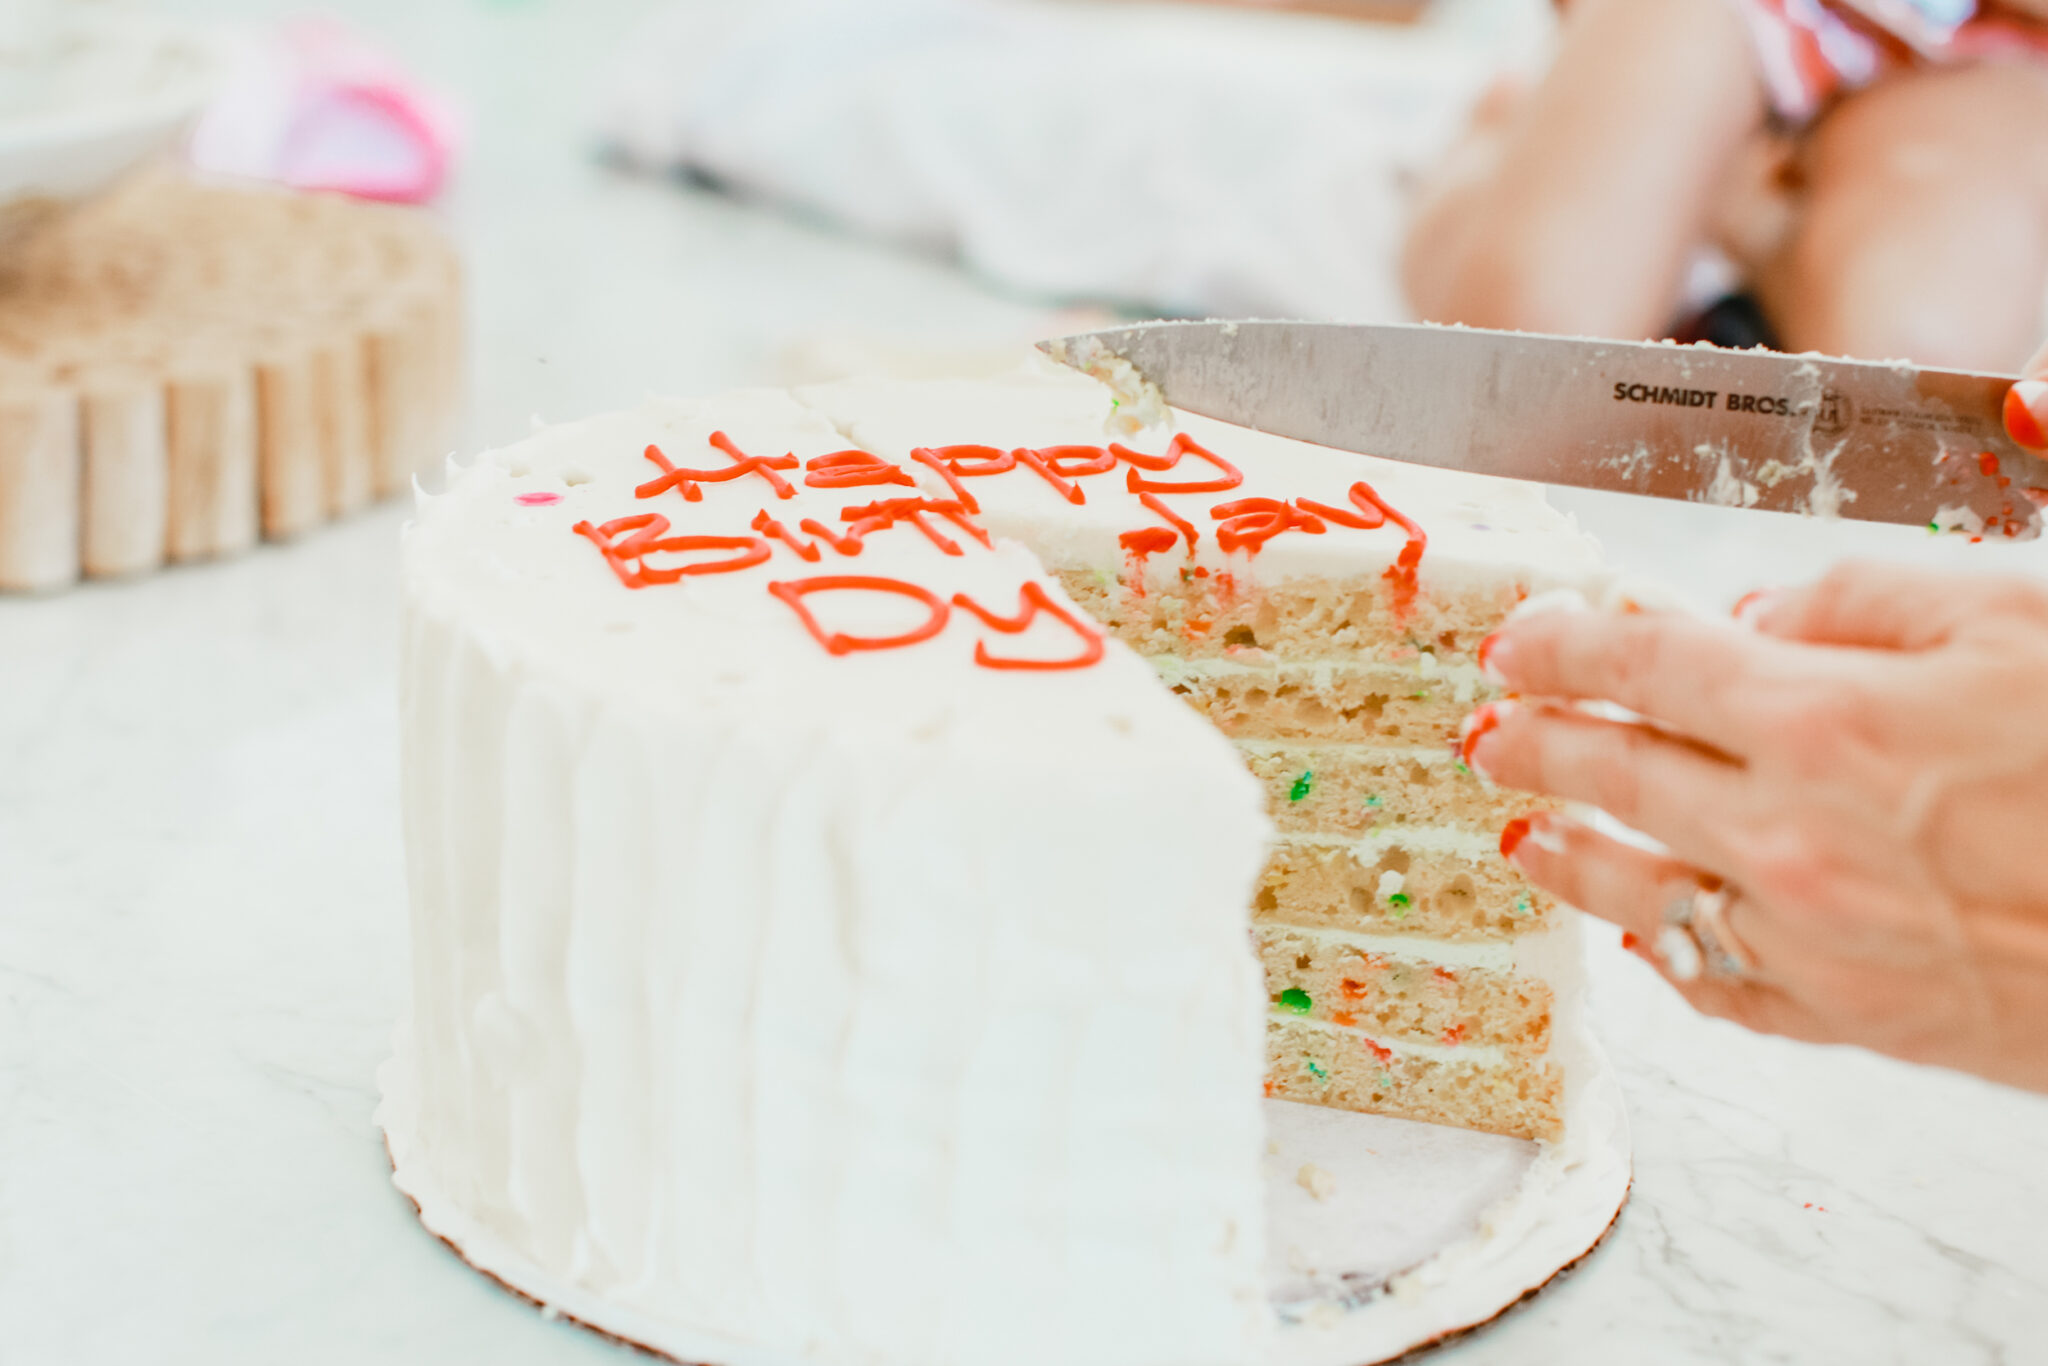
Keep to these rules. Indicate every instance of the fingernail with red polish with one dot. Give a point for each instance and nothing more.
(1535, 829)
(1750, 607)
(1489, 660)
(1479, 725)
(2026, 414)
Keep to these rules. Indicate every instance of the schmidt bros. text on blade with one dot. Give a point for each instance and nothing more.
(1625, 392)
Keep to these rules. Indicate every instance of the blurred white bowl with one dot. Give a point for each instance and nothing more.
(84, 98)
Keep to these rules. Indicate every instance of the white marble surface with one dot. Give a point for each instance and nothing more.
(201, 900)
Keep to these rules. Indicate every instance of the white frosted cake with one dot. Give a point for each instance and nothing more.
(835, 930)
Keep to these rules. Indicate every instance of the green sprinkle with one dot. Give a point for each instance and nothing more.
(1462, 767)
(1401, 900)
(1934, 528)
(1372, 799)
(1522, 906)
(1386, 1080)
(1315, 1070)
(1302, 786)
(1296, 1000)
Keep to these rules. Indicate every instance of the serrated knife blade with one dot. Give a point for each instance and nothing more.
(1881, 442)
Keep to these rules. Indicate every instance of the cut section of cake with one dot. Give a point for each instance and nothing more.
(1324, 611)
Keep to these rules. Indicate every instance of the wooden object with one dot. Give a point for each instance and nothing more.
(185, 368)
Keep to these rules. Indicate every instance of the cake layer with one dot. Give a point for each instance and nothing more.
(1209, 614)
(1336, 789)
(1381, 986)
(1384, 704)
(1430, 883)
(1321, 1065)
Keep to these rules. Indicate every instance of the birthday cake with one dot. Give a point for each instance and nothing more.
(870, 844)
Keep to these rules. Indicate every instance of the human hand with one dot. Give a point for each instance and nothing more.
(2026, 405)
(1864, 764)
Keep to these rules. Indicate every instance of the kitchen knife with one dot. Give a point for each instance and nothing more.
(1876, 441)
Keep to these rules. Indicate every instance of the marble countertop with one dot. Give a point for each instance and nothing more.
(202, 904)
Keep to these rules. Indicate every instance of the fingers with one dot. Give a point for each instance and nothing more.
(1631, 887)
(1865, 603)
(1681, 671)
(1666, 788)
(2026, 405)
(1873, 605)
(1620, 883)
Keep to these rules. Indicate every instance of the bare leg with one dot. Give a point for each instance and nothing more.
(1578, 210)
(1923, 232)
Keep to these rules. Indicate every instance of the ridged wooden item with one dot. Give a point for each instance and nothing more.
(186, 367)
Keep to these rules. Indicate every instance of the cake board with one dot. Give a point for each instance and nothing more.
(1419, 1234)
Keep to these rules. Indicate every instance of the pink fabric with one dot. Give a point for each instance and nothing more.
(319, 107)
(1812, 51)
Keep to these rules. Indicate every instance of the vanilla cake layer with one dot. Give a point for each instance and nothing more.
(1321, 1065)
(1358, 789)
(1369, 983)
(1456, 887)
(1206, 612)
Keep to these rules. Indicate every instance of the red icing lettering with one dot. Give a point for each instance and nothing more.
(1228, 475)
(1249, 523)
(1172, 519)
(776, 531)
(852, 469)
(646, 535)
(872, 517)
(794, 591)
(1032, 600)
(537, 500)
(1156, 540)
(1149, 540)
(687, 481)
(1033, 460)
(1400, 575)
(936, 459)
(1071, 462)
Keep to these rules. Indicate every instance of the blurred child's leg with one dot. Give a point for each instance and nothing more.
(1579, 211)
(1923, 231)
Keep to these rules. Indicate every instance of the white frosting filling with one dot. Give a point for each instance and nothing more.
(843, 1004)
(1471, 1054)
(1454, 841)
(1464, 680)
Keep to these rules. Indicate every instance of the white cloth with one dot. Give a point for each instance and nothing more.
(1167, 158)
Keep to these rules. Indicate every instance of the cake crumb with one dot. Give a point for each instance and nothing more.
(1139, 403)
(1316, 1181)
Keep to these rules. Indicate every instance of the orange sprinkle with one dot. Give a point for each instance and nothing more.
(1352, 990)
(1344, 1018)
